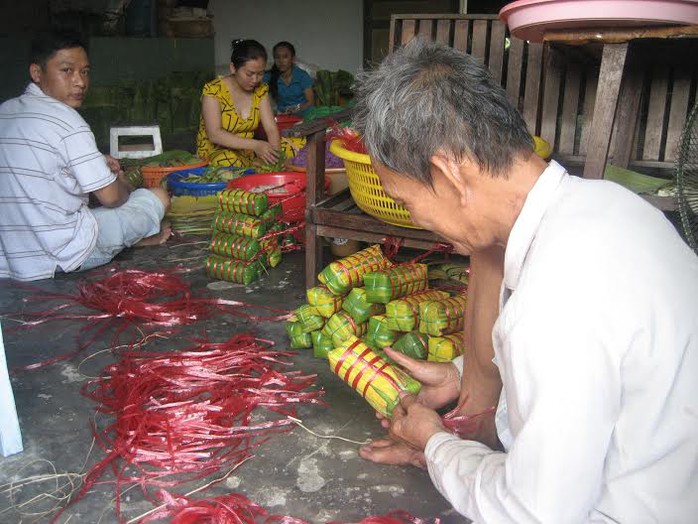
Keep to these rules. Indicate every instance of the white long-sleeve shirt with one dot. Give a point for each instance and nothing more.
(597, 346)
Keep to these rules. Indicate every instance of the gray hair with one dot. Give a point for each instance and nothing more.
(427, 98)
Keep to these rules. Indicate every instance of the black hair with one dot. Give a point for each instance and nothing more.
(45, 45)
(246, 50)
(274, 77)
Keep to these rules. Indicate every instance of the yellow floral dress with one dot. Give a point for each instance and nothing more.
(234, 123)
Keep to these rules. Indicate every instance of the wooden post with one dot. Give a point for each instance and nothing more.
(315, 175)
(626, 113)
(612, 65)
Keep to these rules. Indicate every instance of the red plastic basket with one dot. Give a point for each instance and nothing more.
(282, 122)
(285, 187)
(153, 176)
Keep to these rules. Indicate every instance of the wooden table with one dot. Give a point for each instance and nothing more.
(337, 216)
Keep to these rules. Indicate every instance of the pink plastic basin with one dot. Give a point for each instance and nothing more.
(530, 19)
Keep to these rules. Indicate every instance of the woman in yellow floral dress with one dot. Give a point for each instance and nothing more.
(232, 108)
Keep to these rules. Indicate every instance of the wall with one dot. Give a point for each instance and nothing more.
(326, 33)
(117, 59)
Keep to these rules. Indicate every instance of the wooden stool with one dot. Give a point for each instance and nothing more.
(151, 148)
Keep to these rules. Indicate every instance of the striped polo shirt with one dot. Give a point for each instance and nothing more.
(49, 162)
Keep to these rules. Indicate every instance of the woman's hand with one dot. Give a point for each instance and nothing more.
(266, 151)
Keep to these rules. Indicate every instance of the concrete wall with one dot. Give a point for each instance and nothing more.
(114, 60)
(119, 59)
(325, 33)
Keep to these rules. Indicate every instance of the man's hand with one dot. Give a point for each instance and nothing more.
(440, 380)
(414, 423)
(124, 180)
(113, 164)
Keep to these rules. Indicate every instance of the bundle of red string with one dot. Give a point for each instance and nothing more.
(184, 415)
(150, 298)
(151, 301)
(237, 509)
(350, 139)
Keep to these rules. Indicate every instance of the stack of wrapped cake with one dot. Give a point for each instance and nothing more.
(366, 303)
(245, 237)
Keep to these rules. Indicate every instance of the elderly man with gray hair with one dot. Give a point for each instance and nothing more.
(596, 338)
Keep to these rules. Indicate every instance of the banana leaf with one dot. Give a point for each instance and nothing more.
(446, 348)
(326, 302)
(413, 344)
(299, 339)
(403, 313)
(341, 326)
(308, 318)
(388, 284)
(358, 307)
(322, 345)
(370, 376)
(442, 317)
(232, 270)
(378, 334)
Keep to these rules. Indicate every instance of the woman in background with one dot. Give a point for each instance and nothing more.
(232, 108)
(290, 86)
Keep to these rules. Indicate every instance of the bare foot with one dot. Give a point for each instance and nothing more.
(158, 238)
(388, 451)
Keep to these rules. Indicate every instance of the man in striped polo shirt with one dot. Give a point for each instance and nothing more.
(49, 164)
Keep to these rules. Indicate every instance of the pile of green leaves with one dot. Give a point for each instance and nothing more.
(333, 88)
(175, 157)
(215, 174)
(275, 167)
(172, 158)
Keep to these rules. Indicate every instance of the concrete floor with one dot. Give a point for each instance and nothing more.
(293, 474)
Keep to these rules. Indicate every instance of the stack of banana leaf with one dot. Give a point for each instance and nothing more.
(244, 244)
(172, 158)
(365, 304)
(173, 101)
(371, 376)
(333, 88)
(446, 348)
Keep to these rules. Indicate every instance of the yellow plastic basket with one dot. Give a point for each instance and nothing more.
(366, 190)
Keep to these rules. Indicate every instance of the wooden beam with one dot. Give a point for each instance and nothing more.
(626, 114)
(612, 65)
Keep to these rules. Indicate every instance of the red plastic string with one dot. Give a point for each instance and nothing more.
(439, 247)
(232, 508)
(395, 517)
(391, 247)
(151, 301)
(181, 416)
(464, 426)
(351, 140)
(398, 517)
(237, 509)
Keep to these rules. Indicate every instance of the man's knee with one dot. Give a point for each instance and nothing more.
(162, 196)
